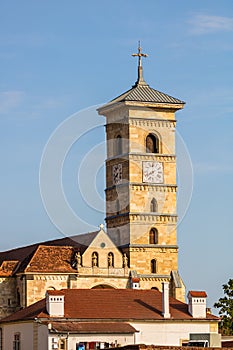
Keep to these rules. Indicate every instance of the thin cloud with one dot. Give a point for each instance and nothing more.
(205, 24)
(207, 168)
(10, 100)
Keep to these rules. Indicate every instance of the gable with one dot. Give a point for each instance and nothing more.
(102, 245)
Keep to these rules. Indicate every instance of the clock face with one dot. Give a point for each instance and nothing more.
(117, 174)
(152, 172)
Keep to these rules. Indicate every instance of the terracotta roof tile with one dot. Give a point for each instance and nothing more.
(110, 304)
(93, 327)
(25, 254)
(198, 294)
(51, 259)
(7, 267)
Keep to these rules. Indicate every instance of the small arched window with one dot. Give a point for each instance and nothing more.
(152, 144)
(110, 260)
(153, 236)
(153, 265)
(18, 297)
(118, 145)
(117, 206)
(95, 259)
(153, 206)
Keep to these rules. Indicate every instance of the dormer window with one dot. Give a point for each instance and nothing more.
(55, 303)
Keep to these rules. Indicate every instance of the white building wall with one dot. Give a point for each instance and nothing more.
(43, 337)
(167, 333)
(26, 335)
(74, 339)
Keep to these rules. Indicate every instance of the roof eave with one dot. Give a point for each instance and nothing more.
(119, 104)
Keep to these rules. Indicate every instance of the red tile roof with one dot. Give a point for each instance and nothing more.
(8, 267)
(109, 304)
(93, 327)
(51, 259)
(198, 294)
(25, 254)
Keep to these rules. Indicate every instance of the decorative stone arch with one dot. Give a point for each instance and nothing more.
(153, 143)
(103, 286)
(153, 236)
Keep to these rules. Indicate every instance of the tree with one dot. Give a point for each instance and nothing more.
(225, 305)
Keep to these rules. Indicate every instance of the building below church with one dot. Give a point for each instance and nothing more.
(101, 318)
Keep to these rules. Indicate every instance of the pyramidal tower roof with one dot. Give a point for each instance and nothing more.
(141, 92)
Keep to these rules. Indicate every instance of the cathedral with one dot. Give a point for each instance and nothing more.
(138, 249)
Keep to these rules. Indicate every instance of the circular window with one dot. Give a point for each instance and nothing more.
(102, 245)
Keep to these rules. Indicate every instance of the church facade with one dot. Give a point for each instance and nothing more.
(139, 247)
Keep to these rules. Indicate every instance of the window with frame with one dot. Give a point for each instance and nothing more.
(62, 344)
(16, 342)
(152, 144)
(118, 145)
(117, 207)
(153, 236)
(153, 206)
(153, 266)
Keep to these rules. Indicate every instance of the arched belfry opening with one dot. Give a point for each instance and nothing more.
(152, 144)
(153, 206)
(118, 145)
(153, 236)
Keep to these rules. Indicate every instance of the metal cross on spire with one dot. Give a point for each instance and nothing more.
(140, 55)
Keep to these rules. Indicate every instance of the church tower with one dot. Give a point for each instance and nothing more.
(141, 187)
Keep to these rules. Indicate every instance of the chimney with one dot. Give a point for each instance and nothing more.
(55, 303)
(165, 300)
(197, 304)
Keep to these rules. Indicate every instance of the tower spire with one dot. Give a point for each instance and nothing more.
(139, 54)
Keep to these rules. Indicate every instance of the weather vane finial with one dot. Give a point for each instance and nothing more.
(140, 55)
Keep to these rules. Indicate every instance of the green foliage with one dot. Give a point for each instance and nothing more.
(225, 306)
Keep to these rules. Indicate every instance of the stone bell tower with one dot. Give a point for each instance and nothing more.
(141, 184)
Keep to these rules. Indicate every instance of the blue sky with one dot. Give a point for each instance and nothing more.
(58, 58)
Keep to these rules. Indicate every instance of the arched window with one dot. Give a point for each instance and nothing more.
(153, 206)
(110, 260)
(153, 236)
(118, 145)
(117, 206)
(153, 266)
(95, 259)
(152, 144)
(18, 297)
